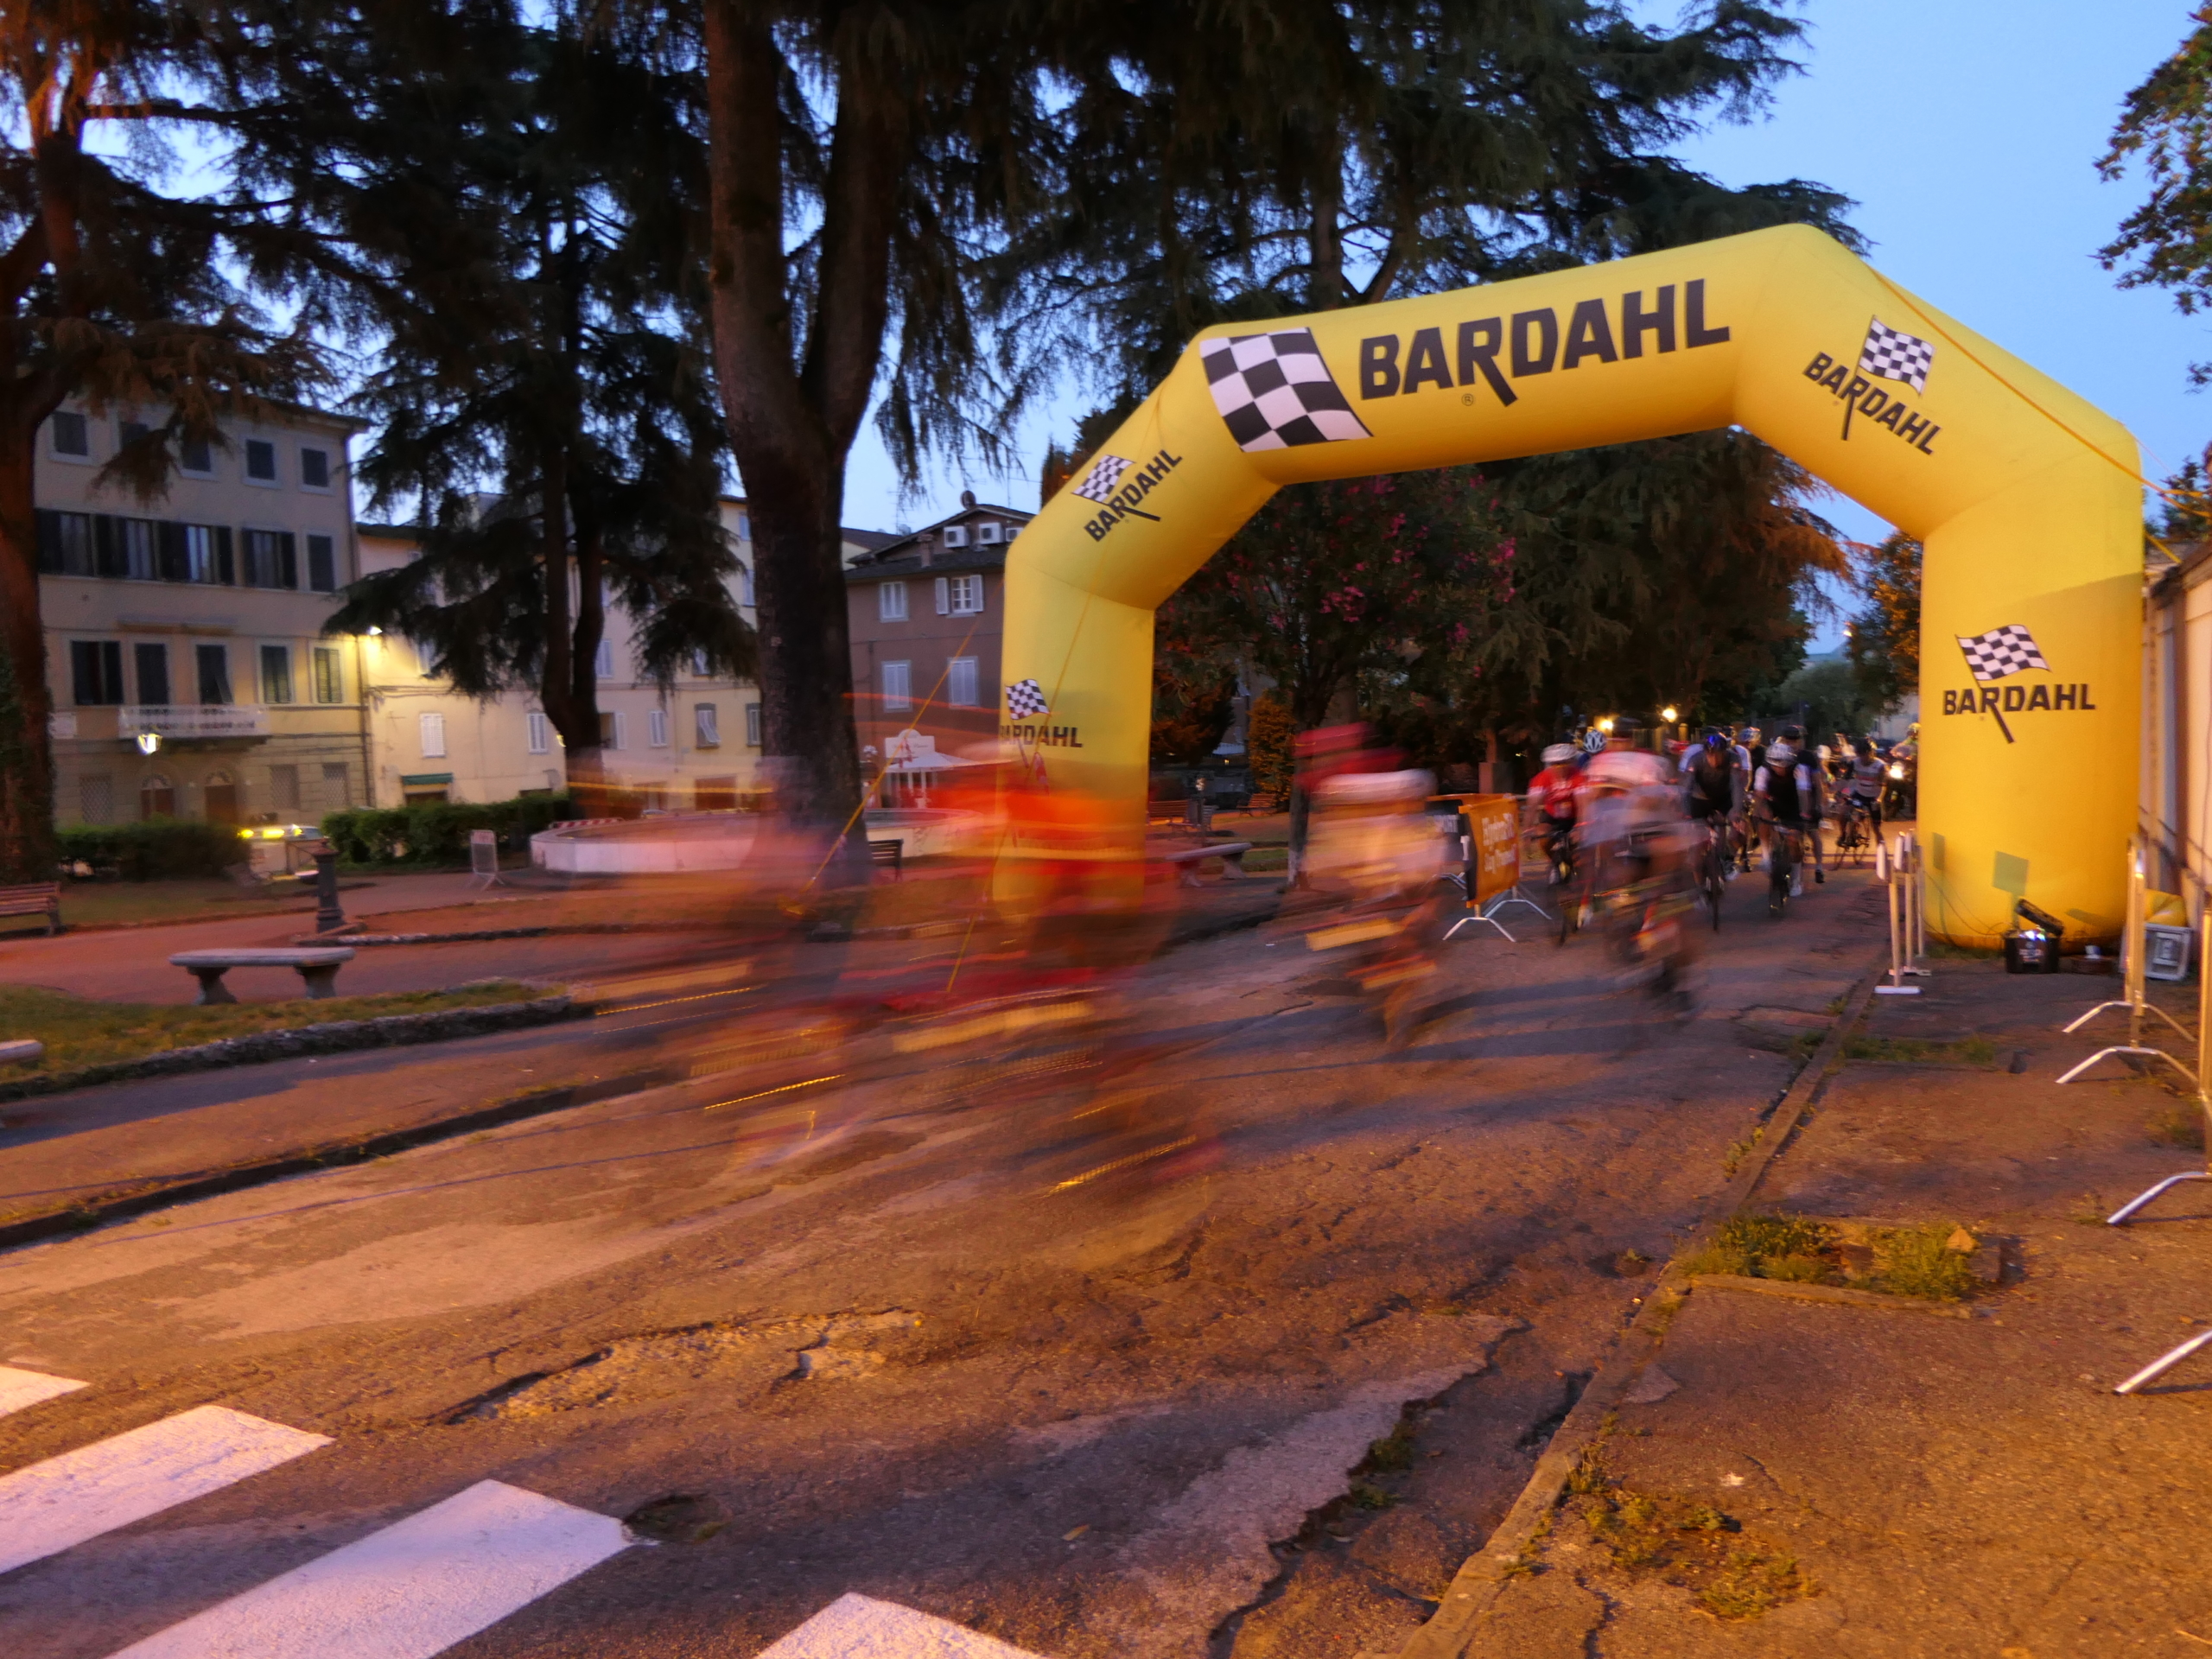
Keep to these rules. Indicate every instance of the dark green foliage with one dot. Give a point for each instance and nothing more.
(1884, 645)
(1825, 697)
(154, 849)
(524, 209)
(437, 833)
(2166, 127)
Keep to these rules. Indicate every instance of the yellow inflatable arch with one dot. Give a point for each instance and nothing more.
(2026, 499)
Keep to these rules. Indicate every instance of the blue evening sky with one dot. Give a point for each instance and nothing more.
(1968, 132)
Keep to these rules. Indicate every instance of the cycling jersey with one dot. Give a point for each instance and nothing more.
(1868, 778)
(1715, 784)
(1554, 790)
(1791, 795)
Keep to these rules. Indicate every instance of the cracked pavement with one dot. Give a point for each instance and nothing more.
(1088, 1428)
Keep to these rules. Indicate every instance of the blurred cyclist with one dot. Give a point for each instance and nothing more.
(1870, 777)
(1373, 845)
(1553, 795)
(1716, 780)
(1788, 793)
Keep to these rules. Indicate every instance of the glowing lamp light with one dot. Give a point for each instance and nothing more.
(1667, 714)
(149, 742)
(376, 633)
(1897, 769)
(1605, 724)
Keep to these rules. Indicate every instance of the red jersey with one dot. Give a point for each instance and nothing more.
(1554, 790)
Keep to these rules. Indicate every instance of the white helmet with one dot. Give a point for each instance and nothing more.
(1560, 754)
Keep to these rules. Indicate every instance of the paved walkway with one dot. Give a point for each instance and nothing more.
(1948, 1486)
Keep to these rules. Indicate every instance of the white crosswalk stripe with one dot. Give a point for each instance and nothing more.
(859, 1627)
(409, 1591)
(54, 1505)
(21, 1389)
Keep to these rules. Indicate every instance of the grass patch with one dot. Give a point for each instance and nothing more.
(1690, 1544)
(2181, 1124)
(1898, 1260)
(78, 1033)
(1739, 1150)
(1970, 1051)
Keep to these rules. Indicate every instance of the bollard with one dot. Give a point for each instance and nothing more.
(1890, 871)
(329, 918)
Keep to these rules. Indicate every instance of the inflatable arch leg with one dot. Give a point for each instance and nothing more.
(2026, 499)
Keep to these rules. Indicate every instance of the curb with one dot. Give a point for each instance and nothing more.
(474, 935)
(159, 1194)
(332, 1037)
(1484, 1576)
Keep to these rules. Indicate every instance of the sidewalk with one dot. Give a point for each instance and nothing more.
(1793, 1477)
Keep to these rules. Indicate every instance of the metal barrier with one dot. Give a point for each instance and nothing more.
(1897, 868)
(2131, 997)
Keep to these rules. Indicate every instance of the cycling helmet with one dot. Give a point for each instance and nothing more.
(1793, 736)
(1560, 755)
(1715, 739)
(1781, 755)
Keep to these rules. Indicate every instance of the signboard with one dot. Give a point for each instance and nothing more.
(192, 720)
(1494, 823)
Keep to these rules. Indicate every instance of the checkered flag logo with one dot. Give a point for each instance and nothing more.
(1274, 391)
(1103, 480)
(1025, 699)
(1999, 652)
(1896, 355)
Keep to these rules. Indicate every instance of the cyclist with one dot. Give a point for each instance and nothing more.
(1788, 795)
(1870, 777)
(1716, 778)
(1553, 795)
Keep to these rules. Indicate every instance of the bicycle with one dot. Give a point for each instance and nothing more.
(1713, 863)
(1854, 834)
(1785, 851)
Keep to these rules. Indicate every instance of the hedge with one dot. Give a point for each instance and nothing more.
(154, 849)
(438, 833)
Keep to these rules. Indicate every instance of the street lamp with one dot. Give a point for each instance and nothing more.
(1605, 724)
(148, 742)
(1667, 714)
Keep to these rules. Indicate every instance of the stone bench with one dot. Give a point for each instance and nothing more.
(318, 969)
(1187, 858)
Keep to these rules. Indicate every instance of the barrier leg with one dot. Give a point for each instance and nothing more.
(2134, 999)
(2158, 1367)
(2126, 1211)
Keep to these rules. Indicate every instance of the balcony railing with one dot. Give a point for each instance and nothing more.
(182, 720)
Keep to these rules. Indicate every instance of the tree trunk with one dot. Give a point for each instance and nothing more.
(27, 839)
(791, 424)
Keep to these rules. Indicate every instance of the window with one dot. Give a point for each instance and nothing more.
(152, 662)
(285, 788)
(541, 733)
(196, 457)
(96, 671)
(73, 440)
(744, 526)
(260, 461)
(337, 784)
(891, 601)
(602, 662)
(700, 665)
(137, 548)
(426, 658)
(898, 685)
(656, 728)
(96, 797)
(706, 728)
(753, 724)
(614, 731)
(195, 553)
(220, 793)
(65, 543)
(745, 584)
(956, 536)
(434, 736)
(214, 666)
(967, 594)
(960, 682)
(322, 564)
(314, 469)
(129, 432)
(157, 800)
(271, 559)
(276, 673)
(987, 535)
(329, 678)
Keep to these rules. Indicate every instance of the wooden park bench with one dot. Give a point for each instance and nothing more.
(317, 965)
(893, 853)
(1187, 858)
(39, 899)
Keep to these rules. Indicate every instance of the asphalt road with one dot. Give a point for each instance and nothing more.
(848, 1341)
